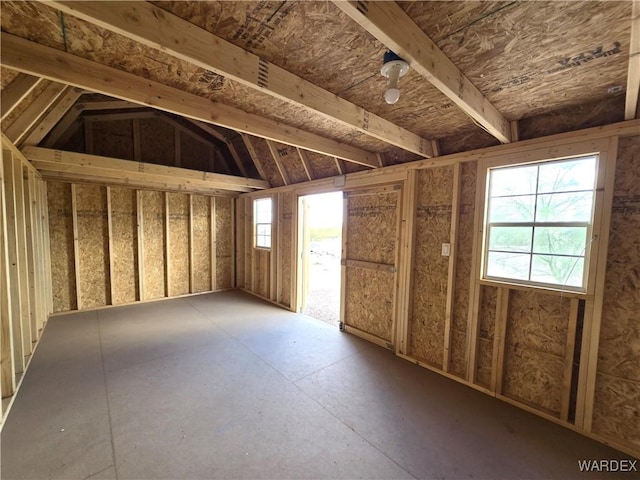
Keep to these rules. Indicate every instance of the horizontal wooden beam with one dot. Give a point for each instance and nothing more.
(387, 22)
(633, 74)
(16, 91)
(30, 57)
(130, 173)
(107, 105)
(157, 28)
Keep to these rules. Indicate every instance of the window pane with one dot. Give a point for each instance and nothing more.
(513, 180)
(511, 239)
(263, 229)
(564, 207)
(560, 240)
(263, 241)
(263, 210)
(512, 209)
(558, 270)
(508, 265)
(567, 176)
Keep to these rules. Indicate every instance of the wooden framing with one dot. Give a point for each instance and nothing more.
(568, 365)
(110, 230)
(76, 245)
(159, 29)
(254, 156)
(304, 158)
(66, 100)
(16, 91)
(394, 28)
(30, 57)
(126, 172)
(633, 72)
(276, 159)
(140, 241)
(214, 243)
(167, 247)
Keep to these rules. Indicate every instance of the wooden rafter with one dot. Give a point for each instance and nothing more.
(30, 57)
(49, 121)
(232, 150)
(633, 75)
(276, 159)
(16, 91)
(22, 125)
(304, 158)
(394, 28)
(156, 28)
(59, 164)
(254, 156)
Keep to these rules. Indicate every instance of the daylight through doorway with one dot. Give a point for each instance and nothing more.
(321, 252)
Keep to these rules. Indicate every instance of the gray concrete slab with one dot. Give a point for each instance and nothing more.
(228, 386)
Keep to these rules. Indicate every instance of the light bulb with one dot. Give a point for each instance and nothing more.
(391, 95)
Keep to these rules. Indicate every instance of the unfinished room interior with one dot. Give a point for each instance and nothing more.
(158, 257)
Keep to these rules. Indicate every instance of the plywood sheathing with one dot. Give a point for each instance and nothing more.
(201, 243)
(224, 243)
(430, 268)
(7, 76)
(178, 250)
(463, 268)
(322, 166)
(286, 245)
(154, 244)
(112, 139)
(265, 159)
(617, 394)
(486, 331)
(535, 341)
(371, 234)
(23, 105)
(369, 305)
(261, 272)
(63, 278)
(157, 142)
(96, 44)
(93, 245)
(570, 53)
(290, 161)
(124, 240)
(575, 117)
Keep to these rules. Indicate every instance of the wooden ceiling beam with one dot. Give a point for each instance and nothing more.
(157, 28)
(633, 75)
(49, 121)
(108, 105)
(387, 22)
(30, 57)
(16, 91)
(135, 172)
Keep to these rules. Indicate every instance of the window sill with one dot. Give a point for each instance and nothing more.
(540, 288)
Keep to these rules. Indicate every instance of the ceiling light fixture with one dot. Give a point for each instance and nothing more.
(393, 67)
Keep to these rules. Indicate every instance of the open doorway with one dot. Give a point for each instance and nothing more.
(320, 247)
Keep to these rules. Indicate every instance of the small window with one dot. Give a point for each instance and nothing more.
(539, 222)
(262, 222)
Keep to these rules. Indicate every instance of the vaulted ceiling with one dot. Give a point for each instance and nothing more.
(291, 91)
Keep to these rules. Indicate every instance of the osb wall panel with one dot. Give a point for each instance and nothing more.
(369, 301)
(262, 272)
(113, 138)
(63, 278)
(266, 160)
(617, 396)
(154, 247)
(201, 243)
(7, 76)
(125, 246)
(468, 172)
(535, 343)
(286, 243)
(194, 155)
(430, 268)
(224, 243)
(157, 141)
(93, 245)
(486, 329)
(178, 243)
(322, 166)
(372, 227)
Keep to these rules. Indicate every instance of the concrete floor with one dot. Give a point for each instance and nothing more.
(227, 386)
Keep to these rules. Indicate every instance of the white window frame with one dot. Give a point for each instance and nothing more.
(256, 224)
(598, 148)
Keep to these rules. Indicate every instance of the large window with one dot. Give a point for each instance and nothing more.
(262, 222)
(539, 222)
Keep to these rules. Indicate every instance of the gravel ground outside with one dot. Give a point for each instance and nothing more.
(323, 301)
